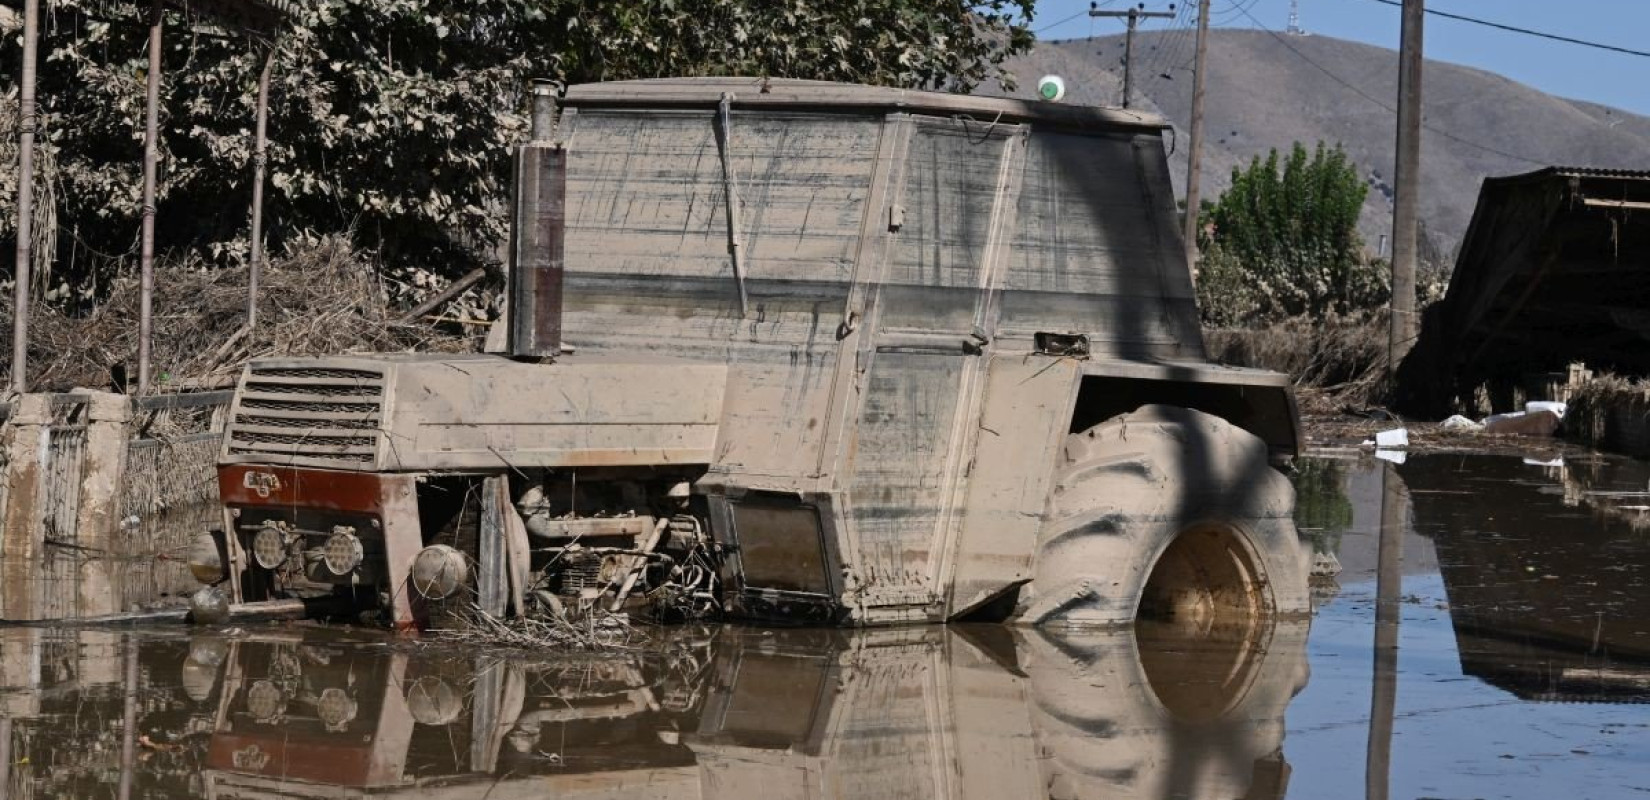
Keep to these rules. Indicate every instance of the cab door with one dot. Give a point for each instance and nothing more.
(919, 369)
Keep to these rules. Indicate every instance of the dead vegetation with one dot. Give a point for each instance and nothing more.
(1596, 405)
(1344, 358)
(592, 631)
(322, 299)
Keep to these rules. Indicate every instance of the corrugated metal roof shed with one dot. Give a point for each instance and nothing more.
(1555, 268)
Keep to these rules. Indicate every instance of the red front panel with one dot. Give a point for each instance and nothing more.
(389, 501)
(326, 761)
(264, 485)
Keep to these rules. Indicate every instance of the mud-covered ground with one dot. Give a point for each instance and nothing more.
(1331, 425)
(1522, 671)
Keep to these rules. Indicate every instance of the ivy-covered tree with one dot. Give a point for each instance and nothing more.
(1283, 241)
(392, 119)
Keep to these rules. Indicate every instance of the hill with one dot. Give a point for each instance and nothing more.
(1268, 91)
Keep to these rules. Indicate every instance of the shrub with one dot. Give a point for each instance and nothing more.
(1284, 243)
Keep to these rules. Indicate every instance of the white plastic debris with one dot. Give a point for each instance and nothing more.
(1397, 437)
(1460, 423)
(1547, 405)
(1541, 422)
(1536, 462)
(1325, 565)
(1395, 456)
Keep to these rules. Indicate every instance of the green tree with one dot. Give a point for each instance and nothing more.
(1284, 242)
(393, 118)
(1322, 509)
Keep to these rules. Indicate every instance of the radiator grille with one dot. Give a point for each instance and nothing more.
(318, 372)
(318, 416)
(356, 409)
(363, 422)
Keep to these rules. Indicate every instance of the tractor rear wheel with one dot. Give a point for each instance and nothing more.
(1167, 512)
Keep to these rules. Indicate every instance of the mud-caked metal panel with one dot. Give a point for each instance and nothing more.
(918, 394)
(1028, 400)
(892, 720)
(1094, 249)
(995, 746)
(649, 267)
(492, 413)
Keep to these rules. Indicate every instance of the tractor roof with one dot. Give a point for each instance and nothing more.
(829, 96)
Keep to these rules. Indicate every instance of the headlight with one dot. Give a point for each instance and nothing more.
(335, 708)
(434, 701)
(269, 547)
(198, 680)
(439, 571)
(343, 552)
(204, 561)
(265, 701)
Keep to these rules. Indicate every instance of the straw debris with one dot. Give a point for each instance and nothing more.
(595, 630)
(325, 298)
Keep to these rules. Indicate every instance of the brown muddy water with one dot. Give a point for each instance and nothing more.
(1522, 671)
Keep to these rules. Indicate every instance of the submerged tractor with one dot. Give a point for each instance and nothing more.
(792, 351)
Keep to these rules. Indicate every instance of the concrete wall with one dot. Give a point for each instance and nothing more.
(96, 507)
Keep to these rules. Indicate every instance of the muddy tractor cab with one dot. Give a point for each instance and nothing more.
(797, 351)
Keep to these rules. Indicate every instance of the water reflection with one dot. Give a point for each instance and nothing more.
(983, 712)
(1547, 572)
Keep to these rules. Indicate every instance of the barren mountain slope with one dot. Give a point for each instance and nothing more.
(1267, 91)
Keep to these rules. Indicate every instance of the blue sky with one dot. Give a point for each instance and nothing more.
(1563, 69)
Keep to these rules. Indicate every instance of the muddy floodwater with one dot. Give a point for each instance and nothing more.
(1522, 670)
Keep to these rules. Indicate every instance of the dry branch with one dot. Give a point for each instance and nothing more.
(323, 299)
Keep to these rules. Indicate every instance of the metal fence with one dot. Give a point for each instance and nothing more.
(169, 489)
(64, 461)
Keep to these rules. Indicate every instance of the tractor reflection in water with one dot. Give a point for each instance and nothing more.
(968, 711)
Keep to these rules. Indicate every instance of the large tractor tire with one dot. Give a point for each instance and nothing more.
(1169, 513)
(1185, 713)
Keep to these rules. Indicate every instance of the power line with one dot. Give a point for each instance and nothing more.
(1233, 10)
(1384, 106)
(1165, 51)
(1526, 31)
(1184, 37)
(1084, 12)
(1061, 22)
(1170, 46)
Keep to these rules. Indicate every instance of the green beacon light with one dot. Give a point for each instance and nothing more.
(1051, 88)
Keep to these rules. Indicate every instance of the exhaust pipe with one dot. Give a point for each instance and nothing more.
(537, 235)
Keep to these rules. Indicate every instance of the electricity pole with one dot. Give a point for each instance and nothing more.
(1406, 191)
(1134, 15)
(151, 159)
(26, 123)
(1389, 589)
(1194, 166)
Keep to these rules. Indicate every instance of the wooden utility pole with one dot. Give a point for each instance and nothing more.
(1407, 178)
(1194, 166)
(1389, 592)
(260, 158)
(1133, 15)
(26, 120)
(151, 159)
